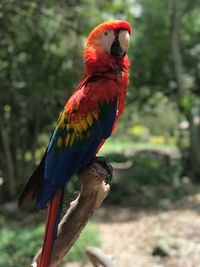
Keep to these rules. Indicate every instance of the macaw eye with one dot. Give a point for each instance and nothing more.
(106, 33)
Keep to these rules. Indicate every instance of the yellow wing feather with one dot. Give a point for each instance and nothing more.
(74, 127)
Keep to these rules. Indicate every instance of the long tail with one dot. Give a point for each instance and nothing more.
(33, 185)
(51, 227)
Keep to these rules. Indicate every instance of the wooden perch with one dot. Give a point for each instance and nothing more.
(99, 258)
(94, 190)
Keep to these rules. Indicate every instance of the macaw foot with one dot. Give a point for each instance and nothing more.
(104, 163)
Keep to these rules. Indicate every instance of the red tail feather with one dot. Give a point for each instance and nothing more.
(50, 229)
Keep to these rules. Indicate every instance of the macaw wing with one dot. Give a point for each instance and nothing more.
(72, 145)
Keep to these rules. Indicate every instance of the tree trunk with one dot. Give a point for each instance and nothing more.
(183, 91)
(175, 46)
(8, 160)
(195, 147)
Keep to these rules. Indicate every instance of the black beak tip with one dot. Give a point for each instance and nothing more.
(116, 51)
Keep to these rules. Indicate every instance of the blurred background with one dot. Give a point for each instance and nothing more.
(155, 193)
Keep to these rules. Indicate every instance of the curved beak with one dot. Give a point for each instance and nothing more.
(120, 45)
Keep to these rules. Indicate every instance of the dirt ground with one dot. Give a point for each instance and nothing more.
(133, 236)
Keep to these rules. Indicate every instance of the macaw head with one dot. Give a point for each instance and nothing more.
(107, 44)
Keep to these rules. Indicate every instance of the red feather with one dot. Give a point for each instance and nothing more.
(50, 228)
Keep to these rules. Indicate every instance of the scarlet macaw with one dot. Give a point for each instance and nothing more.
(88, 119)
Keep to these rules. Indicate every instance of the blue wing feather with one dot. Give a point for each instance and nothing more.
(62, 164)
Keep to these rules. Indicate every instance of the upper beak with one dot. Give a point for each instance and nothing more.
(120, 46)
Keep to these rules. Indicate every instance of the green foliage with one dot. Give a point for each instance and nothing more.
(145, 169)
(149, 170)
(152, 47)
(148, 167)
(19, 243)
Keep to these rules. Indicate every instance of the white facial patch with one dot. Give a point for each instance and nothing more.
(108, 38)
(124, 39)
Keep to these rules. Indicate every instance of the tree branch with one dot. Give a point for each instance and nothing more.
(99, 258)
(93, 192)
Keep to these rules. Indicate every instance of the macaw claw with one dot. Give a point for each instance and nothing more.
(106, 165)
